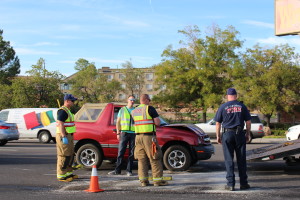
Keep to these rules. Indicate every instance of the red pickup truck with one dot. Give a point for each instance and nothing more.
(95, 140)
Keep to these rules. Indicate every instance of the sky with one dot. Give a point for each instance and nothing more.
(111, 32)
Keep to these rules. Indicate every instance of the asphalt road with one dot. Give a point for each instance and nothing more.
(28, 170)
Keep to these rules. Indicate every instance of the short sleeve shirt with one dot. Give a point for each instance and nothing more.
(120, 113)
(62, 115)
(232, 114)
(152, 112)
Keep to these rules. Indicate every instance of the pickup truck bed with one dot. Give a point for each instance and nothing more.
(271, 152)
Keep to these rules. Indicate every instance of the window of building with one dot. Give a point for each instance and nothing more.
(137, 96)
(163, 87)
(123, 86)
(122, 96)
(65, 86)
(149, 87)
(149, 77)
(121, 76)
(110, 77)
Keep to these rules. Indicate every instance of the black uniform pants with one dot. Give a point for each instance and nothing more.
(235, 142)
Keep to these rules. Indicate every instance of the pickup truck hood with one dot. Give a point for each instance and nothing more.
(192, 127)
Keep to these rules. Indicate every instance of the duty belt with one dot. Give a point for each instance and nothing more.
(229, 129)
(146, 134)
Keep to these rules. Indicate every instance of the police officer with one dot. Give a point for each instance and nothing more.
(126, 135)
(232, 115)
(65, 128)
(145, 118)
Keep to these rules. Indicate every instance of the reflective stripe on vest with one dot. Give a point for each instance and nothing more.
(69, 123)
(143, 122)
(127, 123)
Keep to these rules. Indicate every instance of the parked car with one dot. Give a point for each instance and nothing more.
(95, 140)
(8, 132)
(257, 128)
(293, 133)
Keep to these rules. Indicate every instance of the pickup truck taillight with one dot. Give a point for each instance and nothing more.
(260, 127)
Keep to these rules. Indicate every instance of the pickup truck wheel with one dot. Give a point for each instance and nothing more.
(89, 155)
(44, 137)
(3, 142)
(177, 158)
(250, 138)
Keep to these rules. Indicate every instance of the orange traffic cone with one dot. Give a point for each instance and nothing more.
(94, 184)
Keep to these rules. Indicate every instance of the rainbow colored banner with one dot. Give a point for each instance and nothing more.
(35, 120)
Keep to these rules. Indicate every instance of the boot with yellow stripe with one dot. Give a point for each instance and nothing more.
(64, 178)
(71, 175)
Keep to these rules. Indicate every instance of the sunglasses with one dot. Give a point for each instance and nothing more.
(131, 99)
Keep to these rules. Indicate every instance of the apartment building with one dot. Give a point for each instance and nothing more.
(117, 74)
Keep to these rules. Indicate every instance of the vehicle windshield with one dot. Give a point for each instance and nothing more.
(255, 119)
(163, 121)
(211, 122)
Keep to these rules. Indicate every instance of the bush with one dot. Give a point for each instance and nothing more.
(281, 126)
(278, 132)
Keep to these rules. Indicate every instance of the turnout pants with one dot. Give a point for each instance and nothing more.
(65, 156)
(235, 142)
(143, 153)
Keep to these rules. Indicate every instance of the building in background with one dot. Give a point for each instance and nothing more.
(117, 74)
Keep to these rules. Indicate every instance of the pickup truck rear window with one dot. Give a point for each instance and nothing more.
(90, 114)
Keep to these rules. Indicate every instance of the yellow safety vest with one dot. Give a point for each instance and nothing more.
(127, 123)
(69, 124)
(143, 122)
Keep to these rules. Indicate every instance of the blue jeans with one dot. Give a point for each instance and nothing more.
(235, 142)
(125, 138)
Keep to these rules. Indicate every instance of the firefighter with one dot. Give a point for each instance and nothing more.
(232, 115)
(145, 118)
(65, 128)
(126, 135)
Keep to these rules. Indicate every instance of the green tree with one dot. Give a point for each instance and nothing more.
(39, 89)
(9, 62)
(91, 86)
(198, 73)
(6, 96)
(133, 78)
(268, 79)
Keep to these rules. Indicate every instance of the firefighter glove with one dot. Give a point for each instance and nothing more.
(65, 140)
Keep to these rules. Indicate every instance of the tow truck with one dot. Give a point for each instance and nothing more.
(286, 150)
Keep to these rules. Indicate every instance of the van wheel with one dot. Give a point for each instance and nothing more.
(44, 137)
(3, 142)
(177, 158)
(89, 155)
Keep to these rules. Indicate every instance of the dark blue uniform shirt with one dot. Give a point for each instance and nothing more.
(232, 114)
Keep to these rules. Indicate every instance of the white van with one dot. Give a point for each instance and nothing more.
(33, 122)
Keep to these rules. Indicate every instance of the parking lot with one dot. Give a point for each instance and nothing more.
(29, 168)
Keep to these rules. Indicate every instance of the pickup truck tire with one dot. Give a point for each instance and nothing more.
(177, 158)
(89, 155)
(44, 137)
(3, 142)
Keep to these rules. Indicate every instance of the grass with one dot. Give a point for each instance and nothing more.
(274, 136)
